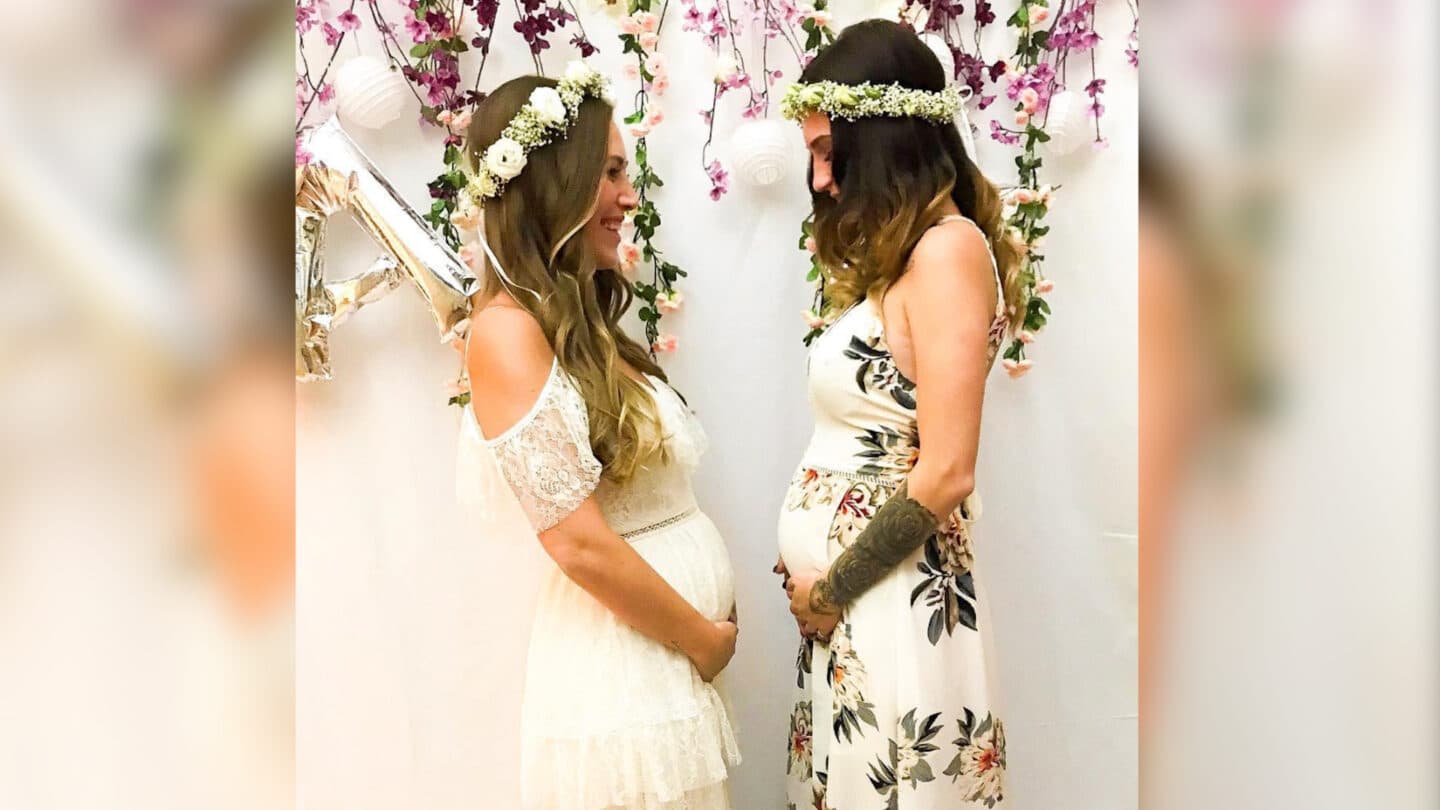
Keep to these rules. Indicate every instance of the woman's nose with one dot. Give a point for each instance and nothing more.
(820, 178)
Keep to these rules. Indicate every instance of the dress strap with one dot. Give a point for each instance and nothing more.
(994, 266)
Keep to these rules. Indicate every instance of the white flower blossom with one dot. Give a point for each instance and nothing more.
(505, 159)
(578, 72)
(544, 119)
(548, 105)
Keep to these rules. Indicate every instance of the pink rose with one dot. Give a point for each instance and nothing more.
(455, 388)
(1045, 286)
(648, 41)
(1016, 370)
(655, 117)
(813, 320)
(660, 85)
(1029, 99)
(669, 302)
(629, 259)
(630, 71)
(629, 25)
(1039, 14)
(444, 117)
(1026, 336)
(640, 130)
(461, 122)
(666, 344)
(658, 64)
(1022, 118)
(821, 18)
(648, 22)
(810, 243)
(1022, 196)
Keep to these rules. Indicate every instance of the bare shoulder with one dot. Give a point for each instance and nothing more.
(508, 358)
(950, 262)
(949, 247)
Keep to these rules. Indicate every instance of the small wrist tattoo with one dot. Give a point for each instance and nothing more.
(821, 600)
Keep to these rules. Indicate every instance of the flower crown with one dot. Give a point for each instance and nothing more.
(546, 118)
(852, 101)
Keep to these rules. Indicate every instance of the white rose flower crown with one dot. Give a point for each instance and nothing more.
(546, 119)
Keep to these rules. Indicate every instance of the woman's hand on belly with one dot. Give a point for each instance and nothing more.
(813, 624)
(712, 653)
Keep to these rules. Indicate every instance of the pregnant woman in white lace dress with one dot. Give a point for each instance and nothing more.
(636, 616)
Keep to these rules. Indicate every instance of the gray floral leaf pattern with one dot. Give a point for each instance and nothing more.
(980, 763)
(908, 752)
(888, 451)
(948, 588)
(877, 371)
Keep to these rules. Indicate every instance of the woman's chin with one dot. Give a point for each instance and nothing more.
(607, 252)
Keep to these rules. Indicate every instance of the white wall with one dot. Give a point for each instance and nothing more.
(1057, 468)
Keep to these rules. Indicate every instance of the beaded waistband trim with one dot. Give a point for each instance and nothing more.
(670, 521)
(869, 478)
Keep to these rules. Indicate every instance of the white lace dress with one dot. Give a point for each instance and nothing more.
(610, 718)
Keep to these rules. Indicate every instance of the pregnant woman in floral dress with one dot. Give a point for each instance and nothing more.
(893, 705)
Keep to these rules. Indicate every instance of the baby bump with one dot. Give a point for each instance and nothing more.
(805, 519)
(691, 556)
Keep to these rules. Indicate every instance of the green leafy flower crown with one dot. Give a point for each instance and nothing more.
(546, 119)
(853, 101)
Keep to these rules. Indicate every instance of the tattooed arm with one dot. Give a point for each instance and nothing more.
(899, 527)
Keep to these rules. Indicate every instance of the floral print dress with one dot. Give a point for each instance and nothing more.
(896, 712)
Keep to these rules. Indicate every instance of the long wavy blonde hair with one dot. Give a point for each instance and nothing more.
(536, 229)
(895, 174)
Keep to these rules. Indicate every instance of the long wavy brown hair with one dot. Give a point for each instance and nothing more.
(895, 174)
(535, 229)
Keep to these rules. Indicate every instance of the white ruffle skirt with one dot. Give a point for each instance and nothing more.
(612, 719)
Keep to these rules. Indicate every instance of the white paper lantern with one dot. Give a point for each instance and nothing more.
(1068, 123)
(937, 46)
(760, 150)
(369, 93)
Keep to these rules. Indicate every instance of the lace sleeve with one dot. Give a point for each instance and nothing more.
(546, 456)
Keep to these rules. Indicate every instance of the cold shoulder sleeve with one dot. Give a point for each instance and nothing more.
(546, 457)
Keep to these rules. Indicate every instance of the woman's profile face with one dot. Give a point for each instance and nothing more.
(616, 197)
(816, 131)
